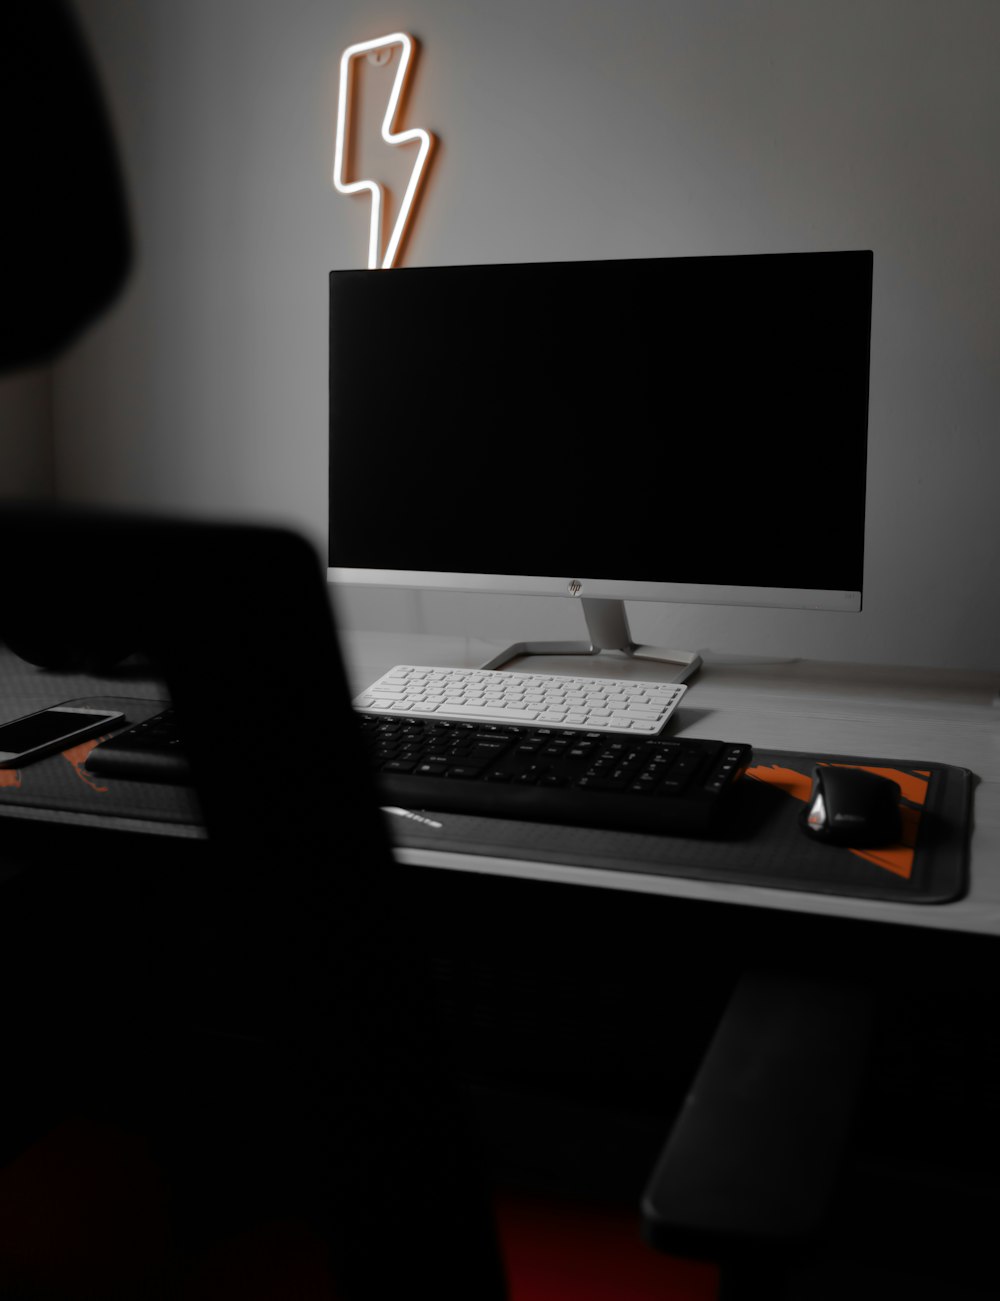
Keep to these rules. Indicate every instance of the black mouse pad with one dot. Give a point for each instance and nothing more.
(761, 843)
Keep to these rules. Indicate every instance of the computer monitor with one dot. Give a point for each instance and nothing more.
(688, 429)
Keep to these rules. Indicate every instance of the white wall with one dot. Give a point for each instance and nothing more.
(569, 129)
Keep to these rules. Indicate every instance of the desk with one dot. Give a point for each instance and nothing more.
(940, 716)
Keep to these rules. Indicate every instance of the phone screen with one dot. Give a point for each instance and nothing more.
(40, 729)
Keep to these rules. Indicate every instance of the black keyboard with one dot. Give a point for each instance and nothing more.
(667, 785)
(674, 785)
(147, 751)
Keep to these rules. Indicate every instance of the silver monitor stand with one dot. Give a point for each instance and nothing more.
(608, 631)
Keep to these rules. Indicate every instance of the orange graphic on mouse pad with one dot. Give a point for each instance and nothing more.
(76, 757)
(913, 785)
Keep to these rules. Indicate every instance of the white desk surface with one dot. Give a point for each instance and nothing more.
(940, 716)
(914, 715)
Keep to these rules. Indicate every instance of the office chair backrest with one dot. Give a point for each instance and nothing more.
(323, 926)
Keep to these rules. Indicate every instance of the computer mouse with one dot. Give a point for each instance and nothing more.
(849, 806)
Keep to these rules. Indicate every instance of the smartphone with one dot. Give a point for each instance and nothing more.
(35, 735)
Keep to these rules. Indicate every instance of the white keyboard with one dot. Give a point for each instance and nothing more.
(542, 700)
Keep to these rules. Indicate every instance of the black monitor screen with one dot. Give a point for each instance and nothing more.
(684, 420)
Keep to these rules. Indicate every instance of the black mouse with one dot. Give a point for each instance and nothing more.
(849, 806)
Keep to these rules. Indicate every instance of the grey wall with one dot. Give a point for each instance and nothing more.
(569, 129)
(26, 463)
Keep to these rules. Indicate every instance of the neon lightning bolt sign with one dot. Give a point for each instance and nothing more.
(390, 135)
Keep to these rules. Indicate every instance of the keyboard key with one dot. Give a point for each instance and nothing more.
(485, 711)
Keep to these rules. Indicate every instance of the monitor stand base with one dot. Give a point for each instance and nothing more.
(608, 630)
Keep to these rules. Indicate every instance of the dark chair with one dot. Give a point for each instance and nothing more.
(316, 1066)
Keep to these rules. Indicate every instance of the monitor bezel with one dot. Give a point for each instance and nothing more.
(789, 598)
